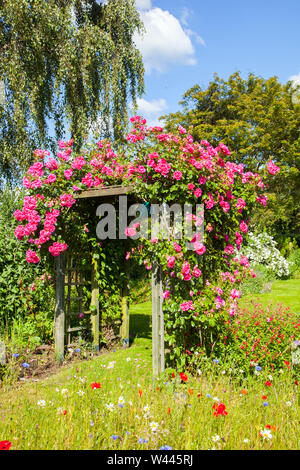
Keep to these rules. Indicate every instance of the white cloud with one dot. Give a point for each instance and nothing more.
(151, 110)
(193, 34)
(151, 107)
(165, 42)
(143, 4)
(185, 15)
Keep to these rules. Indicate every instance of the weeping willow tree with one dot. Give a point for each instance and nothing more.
(64, 65)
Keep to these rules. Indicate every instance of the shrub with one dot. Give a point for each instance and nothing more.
(294, 261)
(259, 337)
(25, 292)
(261, 249)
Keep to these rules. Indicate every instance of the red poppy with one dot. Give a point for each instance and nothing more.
(268, 383)
(183, 377)
(95, 385)
(268, 426)
(219, 409)
(64, 412)
(296, 382)
(169, 410)
(140, 392)
(264, 397)
(244, 392)
(190, 391)
(287, 364)
(5, 445)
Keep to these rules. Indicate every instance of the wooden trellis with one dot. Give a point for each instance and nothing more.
(68, 275)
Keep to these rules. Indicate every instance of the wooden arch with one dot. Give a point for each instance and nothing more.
(61, 328)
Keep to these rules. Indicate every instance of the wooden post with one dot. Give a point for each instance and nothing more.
(95, 317)
(124, 330)
(59, 323)
(158, 336)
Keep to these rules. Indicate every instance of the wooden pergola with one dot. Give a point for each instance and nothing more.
(64, 279)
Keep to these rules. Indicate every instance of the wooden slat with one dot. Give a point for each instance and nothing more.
(95, 318)
(158, 343)
(105, 191)
(60, 308)
(77, 328)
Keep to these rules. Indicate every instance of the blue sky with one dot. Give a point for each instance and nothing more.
(187, 41)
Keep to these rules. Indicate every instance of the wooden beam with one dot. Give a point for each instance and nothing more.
(95, 317)
(158, 337)
(124, 329)
(59, 322)
(105, 191)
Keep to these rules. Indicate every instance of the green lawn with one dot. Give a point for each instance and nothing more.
(285, 292)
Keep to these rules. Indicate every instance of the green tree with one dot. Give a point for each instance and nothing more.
(258, 120)
(70, 61)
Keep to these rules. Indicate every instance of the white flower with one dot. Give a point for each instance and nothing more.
(128, 359)
(111, 365)
(215, 438)
(110, 406)
(216, 399)
(80, 393)
(121, 401)
(266, 434)
(288, 403)
(246, 441)
(146, 409)
(41, 403)
(153, 426)
(199, 372)
(270, 377)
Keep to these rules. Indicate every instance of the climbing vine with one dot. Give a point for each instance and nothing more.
(202, 273)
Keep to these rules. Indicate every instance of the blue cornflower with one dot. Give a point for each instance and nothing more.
(142, 440)
(77, 349)
(16, 355)
(25, 364)
(216, 361)
(166, 448)
(265, 403)
(257, 368)
(114, 437)
(208, 395)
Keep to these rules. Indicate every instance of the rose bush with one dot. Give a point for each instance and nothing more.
(201, 285)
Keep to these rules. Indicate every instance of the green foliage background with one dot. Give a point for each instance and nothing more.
(258, 119)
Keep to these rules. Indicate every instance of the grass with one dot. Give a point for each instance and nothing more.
(285, 292)
(131, 410)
